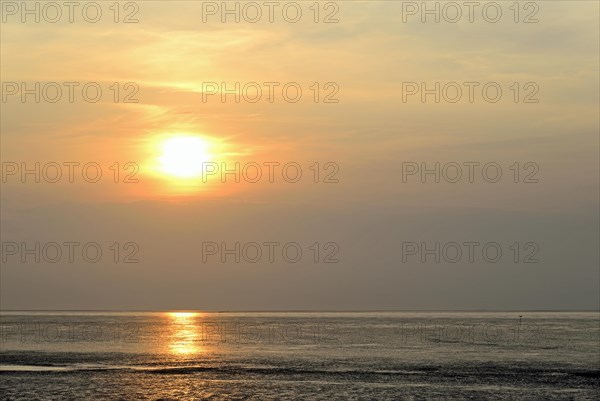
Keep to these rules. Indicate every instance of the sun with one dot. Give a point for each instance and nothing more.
(183, 156)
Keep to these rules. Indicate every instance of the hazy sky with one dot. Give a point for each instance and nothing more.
(369, 221)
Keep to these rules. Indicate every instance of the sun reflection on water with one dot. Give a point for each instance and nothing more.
(184, 334)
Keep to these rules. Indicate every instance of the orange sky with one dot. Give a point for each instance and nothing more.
(171, 55)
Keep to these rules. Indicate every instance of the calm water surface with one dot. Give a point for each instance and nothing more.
(290, 356)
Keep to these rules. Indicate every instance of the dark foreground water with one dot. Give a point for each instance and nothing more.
(297, 356)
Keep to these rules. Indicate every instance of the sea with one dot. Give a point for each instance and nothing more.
(190, 355)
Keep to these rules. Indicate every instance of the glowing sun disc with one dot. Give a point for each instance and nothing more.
(183, 156)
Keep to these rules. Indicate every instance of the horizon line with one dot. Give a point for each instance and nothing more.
(300, 310)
